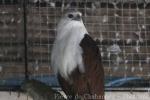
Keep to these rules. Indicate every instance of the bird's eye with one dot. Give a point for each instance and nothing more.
(70, 16)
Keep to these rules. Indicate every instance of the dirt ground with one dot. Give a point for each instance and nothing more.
(108, 96)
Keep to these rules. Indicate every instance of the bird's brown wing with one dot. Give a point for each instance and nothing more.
(94, 71)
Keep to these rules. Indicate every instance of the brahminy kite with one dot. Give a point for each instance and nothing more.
(76, 60)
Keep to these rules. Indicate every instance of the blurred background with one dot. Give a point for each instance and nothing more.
(121, 29)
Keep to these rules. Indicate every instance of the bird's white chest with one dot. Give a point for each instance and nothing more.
(67, 53)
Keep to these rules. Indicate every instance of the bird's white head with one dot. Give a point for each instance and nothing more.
(73, 16)
(70, 21)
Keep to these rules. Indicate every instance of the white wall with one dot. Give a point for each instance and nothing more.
(13, 96)
(109, 96)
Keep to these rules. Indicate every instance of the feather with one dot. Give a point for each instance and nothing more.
(66, 52)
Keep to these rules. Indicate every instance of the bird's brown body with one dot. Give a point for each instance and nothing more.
(90, 84)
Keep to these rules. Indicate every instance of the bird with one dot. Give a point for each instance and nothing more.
(76, 59)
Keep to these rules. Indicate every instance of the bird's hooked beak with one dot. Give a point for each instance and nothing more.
(77, 17)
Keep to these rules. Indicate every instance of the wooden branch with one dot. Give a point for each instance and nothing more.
(40, 91)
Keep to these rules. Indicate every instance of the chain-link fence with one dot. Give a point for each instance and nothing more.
(120, 27)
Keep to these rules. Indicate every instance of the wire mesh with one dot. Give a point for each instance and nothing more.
(120, 27)
(11, 44)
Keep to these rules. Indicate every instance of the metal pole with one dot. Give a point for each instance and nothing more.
(25, 38)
